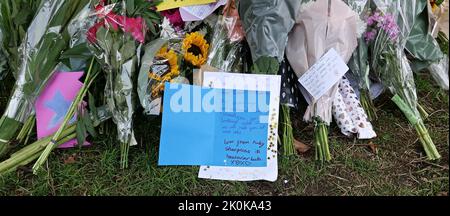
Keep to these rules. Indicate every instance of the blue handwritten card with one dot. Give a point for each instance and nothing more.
(214, 127)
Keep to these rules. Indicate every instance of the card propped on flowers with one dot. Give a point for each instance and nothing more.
(171, 4)
(214, 126)
(54, 102)
(251, 82)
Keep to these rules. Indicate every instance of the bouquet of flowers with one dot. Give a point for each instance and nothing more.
(160, 63)
(359, 63)
(50, 33)
(319, 27)
(116, 39)
(388, 35)
(227, 42)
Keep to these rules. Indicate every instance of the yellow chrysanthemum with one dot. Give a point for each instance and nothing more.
(172, 60)
(195, 49)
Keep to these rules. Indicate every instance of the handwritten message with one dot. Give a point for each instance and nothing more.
(239, 149)
(324, 74)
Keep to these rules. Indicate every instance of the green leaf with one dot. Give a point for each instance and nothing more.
(81, 132)
(89, 125)
(78, 51)
(266, 65)
(92, 106)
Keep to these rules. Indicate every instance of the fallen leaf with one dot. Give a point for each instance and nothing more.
(373, 147)
(301, 147)
(442, 194)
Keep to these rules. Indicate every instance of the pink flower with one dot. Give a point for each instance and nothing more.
(136, 27)
(174, 17)
(92, 32)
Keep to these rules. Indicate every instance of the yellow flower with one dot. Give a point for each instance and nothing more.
(195, 49)
(434, 5)
(172, 60)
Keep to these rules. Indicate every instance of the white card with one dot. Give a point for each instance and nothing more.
(199, 12)
(250, 82)
(324, 74)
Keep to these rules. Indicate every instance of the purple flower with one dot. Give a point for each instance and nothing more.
(385, 22)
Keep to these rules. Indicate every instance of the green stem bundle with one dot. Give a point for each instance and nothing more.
(288, 136)
(52, 144)
(321, 142)
(368, 106)
(33, 151)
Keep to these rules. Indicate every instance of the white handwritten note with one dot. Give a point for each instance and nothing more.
(199, 12)
(324, 74)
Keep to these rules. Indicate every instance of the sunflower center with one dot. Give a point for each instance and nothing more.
(195, 50)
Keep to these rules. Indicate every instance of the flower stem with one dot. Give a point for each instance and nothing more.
(52, 144)
(288, 136)
(427, 143)
(368, 106)
(423, 112)
(321, 142)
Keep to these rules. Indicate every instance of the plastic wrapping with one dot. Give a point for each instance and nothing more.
(395, 72)
(116, 41)
(160, 64)
(359, 63)
(15, 18)
(46, 38)
(390, 61)
(313, 35)
(439, 72)
(226, 44)
(420, 44)
(267, 24)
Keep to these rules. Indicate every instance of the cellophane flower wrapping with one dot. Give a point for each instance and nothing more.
(226, 44)
(160, 64)
(116, 41)
(267, 24)
(55, 27)
(390, 62)
(421, 45)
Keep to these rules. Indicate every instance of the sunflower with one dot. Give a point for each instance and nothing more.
(172, 72)
(435, 4)
(195, 49)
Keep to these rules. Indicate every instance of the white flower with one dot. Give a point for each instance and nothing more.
(361, 27)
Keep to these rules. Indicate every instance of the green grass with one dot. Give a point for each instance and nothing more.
(399, 167)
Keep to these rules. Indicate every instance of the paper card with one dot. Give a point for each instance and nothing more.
(199, 12)
(53, 103)
(214, 127)
(270, 83)
(171, 4)
(324, 74)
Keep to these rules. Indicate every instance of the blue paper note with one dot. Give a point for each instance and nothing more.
(214, 127)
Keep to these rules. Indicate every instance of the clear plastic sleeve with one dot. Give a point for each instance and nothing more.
(47, 37)
(439, 72)
(160, 64)
(225, 52)
(116, 41)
